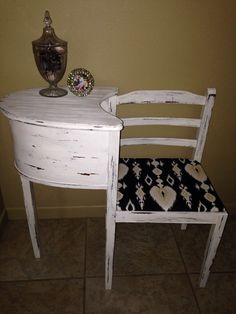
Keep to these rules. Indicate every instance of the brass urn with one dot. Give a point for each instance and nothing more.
(50, 53)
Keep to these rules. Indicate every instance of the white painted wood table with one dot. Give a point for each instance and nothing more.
(67, 142)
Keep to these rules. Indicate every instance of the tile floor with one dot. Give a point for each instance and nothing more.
(156, 270)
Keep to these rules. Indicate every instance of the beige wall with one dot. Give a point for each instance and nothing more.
(131, 44)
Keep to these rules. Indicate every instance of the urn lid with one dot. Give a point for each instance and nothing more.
(48, 37)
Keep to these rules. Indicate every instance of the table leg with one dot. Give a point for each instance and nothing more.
(113, 162)
(31, 214)
(110, 243)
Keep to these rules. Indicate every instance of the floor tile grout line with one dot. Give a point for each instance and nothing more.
(102, 276)
(40, 279)
(140, 275)
(185, 267)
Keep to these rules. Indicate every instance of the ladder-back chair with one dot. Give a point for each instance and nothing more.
(166, 190)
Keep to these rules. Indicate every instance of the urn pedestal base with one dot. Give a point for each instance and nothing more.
(53, 92)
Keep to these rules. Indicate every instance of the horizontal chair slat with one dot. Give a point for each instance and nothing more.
(163, 97)
(162, 121)
(159, 141)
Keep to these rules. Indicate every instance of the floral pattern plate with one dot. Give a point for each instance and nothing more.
(80, 82)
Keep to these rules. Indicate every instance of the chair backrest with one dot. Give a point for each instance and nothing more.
(167, 97)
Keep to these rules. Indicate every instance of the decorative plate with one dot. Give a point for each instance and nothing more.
(80, 82)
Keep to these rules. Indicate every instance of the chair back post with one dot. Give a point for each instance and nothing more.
(110, 104)
(205, 120)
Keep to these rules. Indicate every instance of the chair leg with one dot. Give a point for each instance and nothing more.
(211, 248)
(31, 214)
(110, 243)
(183, 226)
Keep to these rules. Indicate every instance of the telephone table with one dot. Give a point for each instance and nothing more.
(66, 142)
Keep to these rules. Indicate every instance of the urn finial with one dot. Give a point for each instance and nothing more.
(47, 19)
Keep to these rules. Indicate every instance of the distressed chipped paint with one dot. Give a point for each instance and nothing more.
(73, 157)
(68, 142)
(216, 219)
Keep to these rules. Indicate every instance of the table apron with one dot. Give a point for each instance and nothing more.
(65, 156)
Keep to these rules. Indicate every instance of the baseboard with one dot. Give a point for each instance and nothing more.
(3, 219)
(59, 212)
(75, 212)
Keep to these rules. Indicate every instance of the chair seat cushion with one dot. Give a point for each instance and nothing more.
(165, 184)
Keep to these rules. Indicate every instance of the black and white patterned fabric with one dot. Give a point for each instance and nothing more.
(165, 185)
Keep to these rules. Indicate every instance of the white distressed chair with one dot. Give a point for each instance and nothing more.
(166, 190)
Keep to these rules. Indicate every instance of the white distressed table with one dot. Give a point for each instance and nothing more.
(67, 142)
